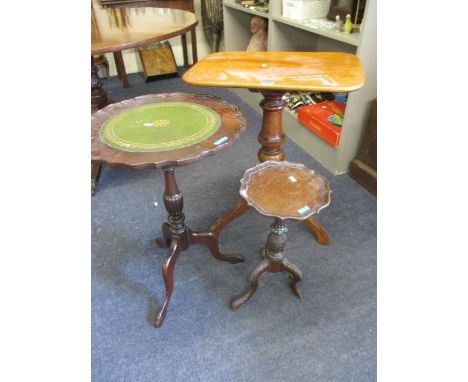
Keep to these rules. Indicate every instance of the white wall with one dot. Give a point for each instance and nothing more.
(132, 60)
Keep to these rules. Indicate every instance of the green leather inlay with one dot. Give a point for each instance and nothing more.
(160, 126)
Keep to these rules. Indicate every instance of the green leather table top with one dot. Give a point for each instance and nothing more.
(160, 126)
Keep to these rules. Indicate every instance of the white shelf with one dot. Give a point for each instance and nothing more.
(246, 10)
(286, 34)
(352, 38)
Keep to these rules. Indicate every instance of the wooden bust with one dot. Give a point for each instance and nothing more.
(258, 28)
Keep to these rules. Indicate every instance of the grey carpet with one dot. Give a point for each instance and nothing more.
(329, 336)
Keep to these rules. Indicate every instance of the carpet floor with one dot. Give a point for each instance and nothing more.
(329, 336)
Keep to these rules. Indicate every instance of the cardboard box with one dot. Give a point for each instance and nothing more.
(315, 118)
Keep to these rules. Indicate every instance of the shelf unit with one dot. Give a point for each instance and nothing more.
(286, 34)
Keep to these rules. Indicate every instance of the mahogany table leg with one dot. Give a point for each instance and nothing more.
(271, 136)
(273, 261)
(194, 46)
(95, 174)
(211, 241)
(183, 37)
(228, 217)
(271, 139)
(166, 239)
(320, 234)
(294, 278)
(254, 277)
(180, 238)
(119, 63)
(168, 275)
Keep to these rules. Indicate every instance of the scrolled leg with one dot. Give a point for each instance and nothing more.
(254, 276)
(168, 275)
(295, 276)
(211, 241)
(237, 210)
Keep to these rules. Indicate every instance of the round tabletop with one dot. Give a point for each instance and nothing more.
(163, 130)
(285, 190)
(114, 29)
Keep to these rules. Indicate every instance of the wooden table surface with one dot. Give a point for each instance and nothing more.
(301, 71)
(232, 124)
(116, 29)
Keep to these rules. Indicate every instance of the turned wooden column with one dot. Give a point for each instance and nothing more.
(98, 95)
(174, 203)
(271, 136)
(273, 261)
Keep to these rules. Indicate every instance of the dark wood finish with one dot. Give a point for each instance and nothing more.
(298, 193)
(271, 136)
(364, 168)
(98, 95)
(273, 261)
(120, 65)
(232, 124)
(184, 5)
(285, 190)
(176, 236)
(193, 34)
(272, 74)
(98, 100)
(183, 37)
(179, 237)
(271, 139)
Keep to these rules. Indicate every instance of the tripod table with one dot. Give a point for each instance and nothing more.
(165, 131)
(273, 74)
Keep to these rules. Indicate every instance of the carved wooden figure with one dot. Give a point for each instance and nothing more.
(258, 28)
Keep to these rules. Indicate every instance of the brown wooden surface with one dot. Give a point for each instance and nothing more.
(118, 28)
(364, 168)
(285, 190)
(232, 124)
(302, 71)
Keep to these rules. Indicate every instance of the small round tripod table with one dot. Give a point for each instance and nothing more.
(273, 74)
(165, 131)
(283, 190)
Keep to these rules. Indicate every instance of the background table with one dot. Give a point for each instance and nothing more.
(165, 131)
(117, 29)
(185, 5)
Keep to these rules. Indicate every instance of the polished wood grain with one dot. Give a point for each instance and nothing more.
(232, 124)
(301, 71)
(285, 190)
(176, 235)
(115, 29)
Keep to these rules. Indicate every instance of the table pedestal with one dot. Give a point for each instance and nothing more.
(271, 139)
(98, 101)
(273, 261)
(178, 237)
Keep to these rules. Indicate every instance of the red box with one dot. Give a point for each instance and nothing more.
(315, 119)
